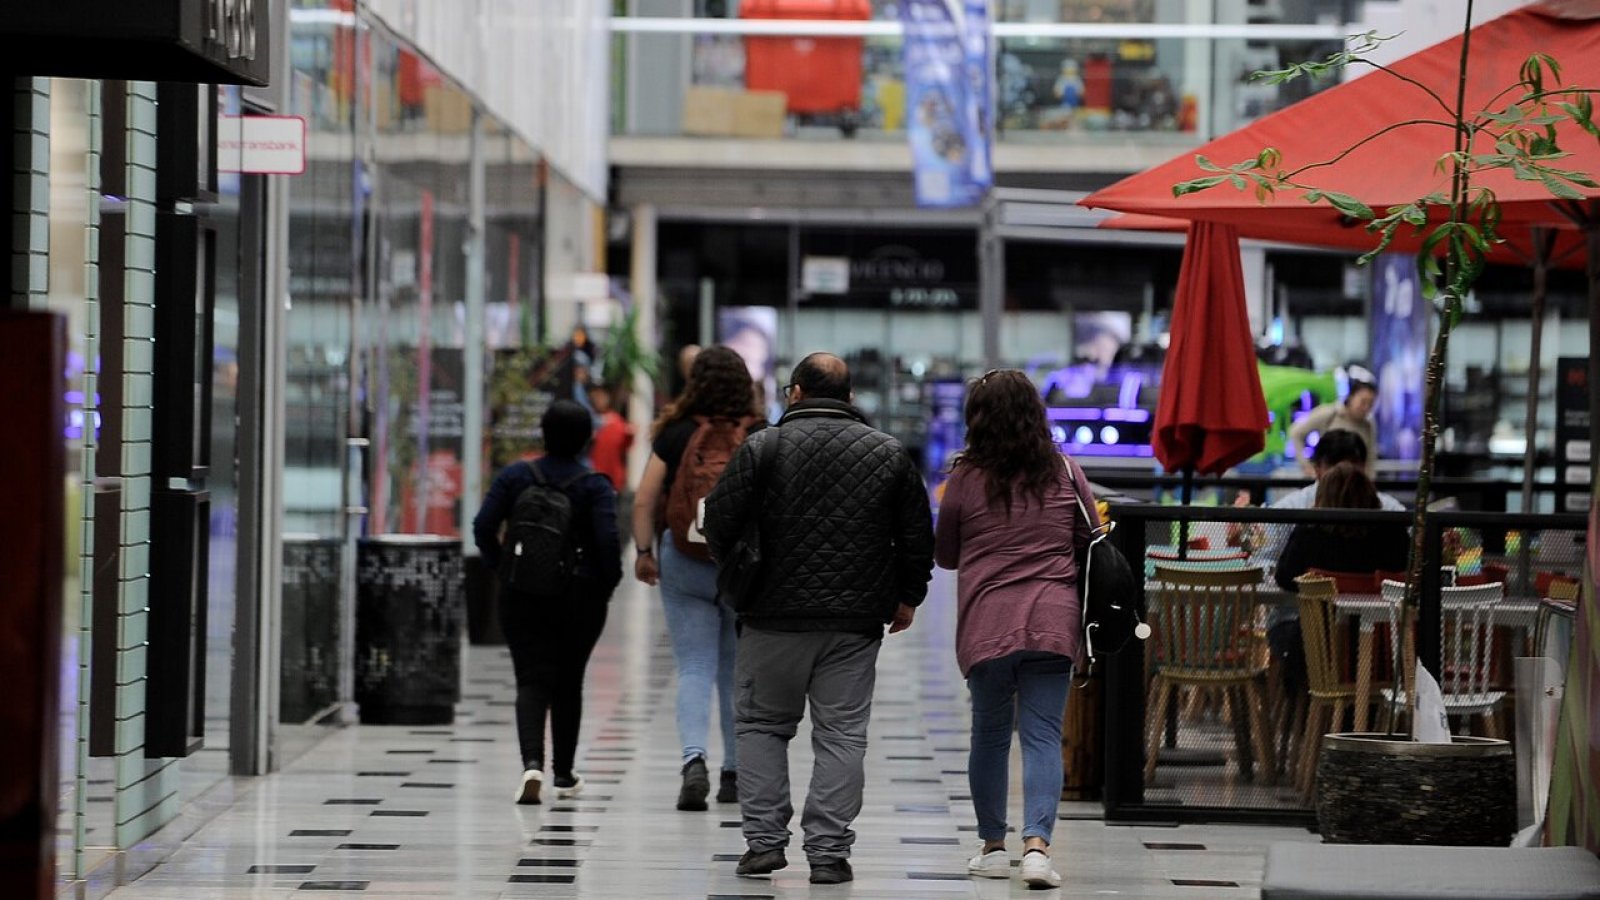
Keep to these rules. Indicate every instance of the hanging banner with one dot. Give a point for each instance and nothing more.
(946, 60)
(1399, 355)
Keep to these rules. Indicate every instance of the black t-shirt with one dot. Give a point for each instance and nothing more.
(674, 439)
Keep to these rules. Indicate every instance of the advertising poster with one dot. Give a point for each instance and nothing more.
(947, 432)
(425, 439)
(1572, 429)
(945, 56)
(752, 332)
(1399, 355)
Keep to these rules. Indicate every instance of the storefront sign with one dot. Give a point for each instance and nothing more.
(873, 270)
(261, 145)
(200, 41)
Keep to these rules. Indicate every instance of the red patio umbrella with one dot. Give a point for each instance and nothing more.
(1211, 414)
(1397, 167)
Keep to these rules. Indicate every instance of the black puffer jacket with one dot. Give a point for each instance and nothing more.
(846, 533)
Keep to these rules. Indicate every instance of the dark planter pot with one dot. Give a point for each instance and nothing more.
(1377, 789)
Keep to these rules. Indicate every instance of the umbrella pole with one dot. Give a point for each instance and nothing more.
(1183, 523)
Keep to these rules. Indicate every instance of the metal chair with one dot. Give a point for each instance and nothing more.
(1468, 618)
(1204, 638)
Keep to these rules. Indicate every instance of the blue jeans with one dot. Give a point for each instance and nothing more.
(1035, 684)
(703, 645)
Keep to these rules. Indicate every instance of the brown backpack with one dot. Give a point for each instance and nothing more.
(704, 458)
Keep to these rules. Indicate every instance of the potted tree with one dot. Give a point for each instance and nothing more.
(1385, 787)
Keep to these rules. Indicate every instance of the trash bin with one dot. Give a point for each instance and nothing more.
(409, 610)
(819, 75)
(308, 682)
(483, 607)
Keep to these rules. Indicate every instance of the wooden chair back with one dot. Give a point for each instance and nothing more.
(1204, 622)
(1318, 626)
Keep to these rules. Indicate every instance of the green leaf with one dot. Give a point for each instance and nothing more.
(1206, 164)
(1559, 188)
(1348, 205)
(1237, 181)
(1511, 115)
(1196, 185)
(1268, 158)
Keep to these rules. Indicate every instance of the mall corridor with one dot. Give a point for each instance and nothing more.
(427, 812)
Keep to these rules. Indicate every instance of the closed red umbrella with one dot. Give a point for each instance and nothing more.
(1211, 414)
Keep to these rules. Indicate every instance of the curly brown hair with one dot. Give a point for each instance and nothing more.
(719, 386)
(1008, 438)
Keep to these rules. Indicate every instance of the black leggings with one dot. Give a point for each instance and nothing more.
(550, 646)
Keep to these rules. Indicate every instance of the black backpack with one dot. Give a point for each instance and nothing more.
(541, 553)
(1112, 600)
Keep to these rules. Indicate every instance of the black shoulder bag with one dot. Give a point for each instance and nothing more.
(739, 576)
(1110, 598)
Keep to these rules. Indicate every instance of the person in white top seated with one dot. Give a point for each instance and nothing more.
(1336, 446)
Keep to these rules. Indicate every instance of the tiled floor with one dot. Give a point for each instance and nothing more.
(426, 812)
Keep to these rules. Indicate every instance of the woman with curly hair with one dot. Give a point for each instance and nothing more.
(719, 394)
(1011, 527)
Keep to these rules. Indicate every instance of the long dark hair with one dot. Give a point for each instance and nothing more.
(719, 385)
(1346, 486)
(1008, 438)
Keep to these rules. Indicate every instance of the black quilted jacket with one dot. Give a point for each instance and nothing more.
(846, 534)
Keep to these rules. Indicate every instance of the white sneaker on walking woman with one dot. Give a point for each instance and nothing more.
(1037, 872)
(528, 791)
(994, 864)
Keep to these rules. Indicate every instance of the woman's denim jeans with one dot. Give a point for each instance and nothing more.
(1034, 684)
(703, 645)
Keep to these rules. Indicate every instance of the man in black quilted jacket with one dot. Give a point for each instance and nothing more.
(846, 548)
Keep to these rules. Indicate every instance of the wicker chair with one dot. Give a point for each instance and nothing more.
(1204, 636)
(1330, 695)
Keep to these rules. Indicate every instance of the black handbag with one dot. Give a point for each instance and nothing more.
(1111, 600)
(739, 576)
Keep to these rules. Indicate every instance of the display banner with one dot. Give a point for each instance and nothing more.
(946, 59)
(947, 432)
(1399, 354)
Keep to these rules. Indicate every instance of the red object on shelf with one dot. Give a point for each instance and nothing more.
(817, 74)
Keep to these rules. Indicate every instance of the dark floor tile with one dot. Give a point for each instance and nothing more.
(929, 809)
(902, 737)
(952, 771)
(320, 832)
(739, 897)
(931, 841)
(1150, 845)
(731, 824)
(562, 842)
(399, 812)
(500, 703)
(726, 857)
(352, 801)
(383, 774)
(937, 876)
(960, 798)
(587, 772)
(947, 731)
(546, 861)
(368, 847)
(542, 878)
(273, 869)
(909, 758)
(427, 784)
(452, 761)
(569, 828)
(1010, 830)
(602, 780)
(1083, 817)
(1203, 882)
(471, 740)
(477, 696)
(915, 781)
(444, 732)
(400, 752)
(950, 749)
(334, 885)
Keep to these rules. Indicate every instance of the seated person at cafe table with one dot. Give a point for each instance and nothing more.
(1341, 548)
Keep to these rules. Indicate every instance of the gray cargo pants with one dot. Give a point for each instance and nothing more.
(777, 671)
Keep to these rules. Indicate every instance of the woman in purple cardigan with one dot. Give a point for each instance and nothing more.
(1009, 524)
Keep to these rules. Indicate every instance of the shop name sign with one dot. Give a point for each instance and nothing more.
(261, 145)
(193, 41)
(231, 27)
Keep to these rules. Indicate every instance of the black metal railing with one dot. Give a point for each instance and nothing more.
(1470, 494)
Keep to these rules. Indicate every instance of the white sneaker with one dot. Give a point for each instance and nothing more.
(1037, 872)
(994, 864)
(528, 792)
(571, 790)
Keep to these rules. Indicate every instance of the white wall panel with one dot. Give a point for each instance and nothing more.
(541, 65)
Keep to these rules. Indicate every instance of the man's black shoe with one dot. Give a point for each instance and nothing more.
(696, 785)
(836, 872)
(728, 791)
(762, 862)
